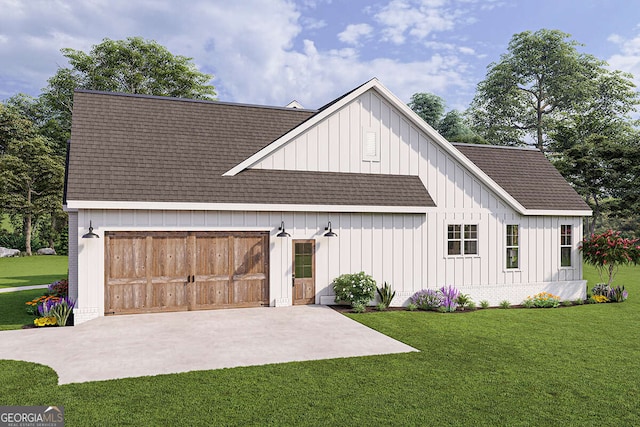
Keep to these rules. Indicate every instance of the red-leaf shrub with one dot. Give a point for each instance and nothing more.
(608, 251)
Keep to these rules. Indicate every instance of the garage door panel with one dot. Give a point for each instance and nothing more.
(127, 257)
(170, 257)
(249, 292)
(169, 296)
(171, 271)
(212, 255)
(128, 297)
(211, 294)
(249, 255)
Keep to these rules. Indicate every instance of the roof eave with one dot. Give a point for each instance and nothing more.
(259, 207)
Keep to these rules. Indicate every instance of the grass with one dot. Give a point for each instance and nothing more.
(33, 270)
(12, 308)
(563, 366)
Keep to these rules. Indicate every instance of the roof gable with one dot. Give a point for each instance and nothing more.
(146, 149)
(544, 206)
(527, 175)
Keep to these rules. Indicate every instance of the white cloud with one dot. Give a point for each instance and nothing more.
(400, 18)
(628, 60)
(354, 32)
(256, 49)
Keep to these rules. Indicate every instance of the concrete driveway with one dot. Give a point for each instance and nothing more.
(151, 344)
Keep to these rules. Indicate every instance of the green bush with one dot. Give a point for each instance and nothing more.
(504, 304)
(412, 307)
(359, 307)
(386, 294)
(356, 288)
(484, 303)
(464, 301)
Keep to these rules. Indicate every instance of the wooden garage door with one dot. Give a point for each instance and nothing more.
(171, 271)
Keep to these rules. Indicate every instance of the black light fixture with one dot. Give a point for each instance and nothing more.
(282, 233)
(329, 233)
(90, 234)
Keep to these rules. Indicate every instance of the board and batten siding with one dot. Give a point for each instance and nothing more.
(335, 145)
(387, 246)
(406, 250)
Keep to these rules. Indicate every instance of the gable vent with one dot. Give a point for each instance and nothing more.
(370, 146)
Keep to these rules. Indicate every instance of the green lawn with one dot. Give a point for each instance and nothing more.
(564, 366)
(12, 309)
(33, 270)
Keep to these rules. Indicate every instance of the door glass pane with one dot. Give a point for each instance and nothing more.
(303, 259)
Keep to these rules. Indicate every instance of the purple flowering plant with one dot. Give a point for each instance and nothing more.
(427, 299)
(449, 298)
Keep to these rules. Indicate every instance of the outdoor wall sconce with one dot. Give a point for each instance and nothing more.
(90, 234)
(282, 232)
(329, 233)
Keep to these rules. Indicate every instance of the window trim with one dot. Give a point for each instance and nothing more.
(462, 240)
(508, 247)
(565, 245)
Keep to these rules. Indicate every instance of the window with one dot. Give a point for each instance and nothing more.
(370, 145)
(565, 245)
(462, 239)
(512, 246)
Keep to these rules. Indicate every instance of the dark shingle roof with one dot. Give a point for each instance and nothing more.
(153, 149)
(526, 175)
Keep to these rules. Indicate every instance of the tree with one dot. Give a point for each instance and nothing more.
(428, 106)
(608, 251)
(541, 76)
(599, 169)
(31, 177)
(431, 107)
(134, 65)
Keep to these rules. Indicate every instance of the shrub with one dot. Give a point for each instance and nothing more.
(464, 301)
(567, 303)
(427, 299)
(484, 304)
(599, 299)
(449, 297)
(528, 303)
(412, 307)
(59, 288)
(545, 300)
(471, 305)
(591, 300)
(386, 294)
(504, 304)
(617, 294)
(579, 301)
(32, 306)
(600, 289)
(357, 288)
(45, 321)
(60, 309)
(381, 306)
(607, 251)
(359, 307)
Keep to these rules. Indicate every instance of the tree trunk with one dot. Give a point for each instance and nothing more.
(27, 233)
(52, 231)
(27, 225)
(540, 141)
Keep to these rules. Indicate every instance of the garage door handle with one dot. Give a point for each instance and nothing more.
(191, 279)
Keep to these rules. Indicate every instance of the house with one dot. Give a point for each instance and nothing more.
(201, 205)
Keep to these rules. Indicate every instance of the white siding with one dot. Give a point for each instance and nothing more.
(379, 244)
(406, 250)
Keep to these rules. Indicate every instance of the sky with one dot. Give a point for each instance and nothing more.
(270, 52)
